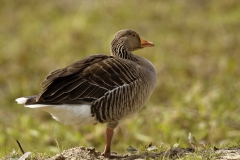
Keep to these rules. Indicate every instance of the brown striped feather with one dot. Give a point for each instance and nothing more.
(89, 83)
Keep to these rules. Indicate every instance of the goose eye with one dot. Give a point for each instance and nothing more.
(134, 35)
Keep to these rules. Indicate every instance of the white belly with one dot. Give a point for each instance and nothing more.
(68, 114)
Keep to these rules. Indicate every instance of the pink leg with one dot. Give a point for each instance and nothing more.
(107, 150)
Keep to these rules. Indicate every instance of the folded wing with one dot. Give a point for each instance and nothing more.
(86, 80)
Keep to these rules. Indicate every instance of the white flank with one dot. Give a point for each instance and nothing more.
(68, 114)
(21, 100)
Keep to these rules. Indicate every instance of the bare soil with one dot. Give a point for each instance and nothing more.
(91, 153)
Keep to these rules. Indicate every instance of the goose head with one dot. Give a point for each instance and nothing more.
(125, 41)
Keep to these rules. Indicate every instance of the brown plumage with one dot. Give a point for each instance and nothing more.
(99, 88)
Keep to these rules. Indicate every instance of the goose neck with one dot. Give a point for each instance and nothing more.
(121, 51)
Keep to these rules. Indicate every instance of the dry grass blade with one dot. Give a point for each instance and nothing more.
(19, 145)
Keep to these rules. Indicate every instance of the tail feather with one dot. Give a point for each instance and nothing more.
(26, 100)
(30, 102)
(22, 100)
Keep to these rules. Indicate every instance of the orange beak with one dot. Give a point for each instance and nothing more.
(145, 43)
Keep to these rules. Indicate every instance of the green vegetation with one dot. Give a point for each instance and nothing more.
(196, 54)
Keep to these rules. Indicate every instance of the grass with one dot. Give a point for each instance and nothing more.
(196, 55)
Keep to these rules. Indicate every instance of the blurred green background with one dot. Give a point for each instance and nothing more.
(196, 54)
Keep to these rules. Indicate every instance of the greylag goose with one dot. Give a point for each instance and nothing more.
(99, 88)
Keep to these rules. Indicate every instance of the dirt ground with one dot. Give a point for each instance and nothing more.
(91, 153)
(83, 153)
